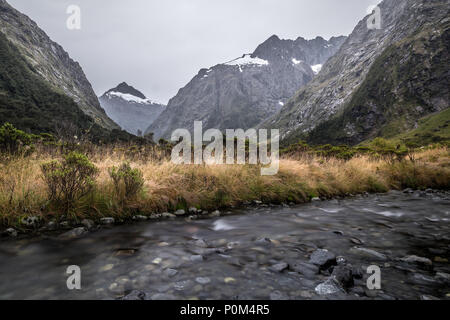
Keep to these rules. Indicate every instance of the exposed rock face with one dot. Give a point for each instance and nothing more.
(130, 108)
(49, 61)
(379, 81)
(246, 91)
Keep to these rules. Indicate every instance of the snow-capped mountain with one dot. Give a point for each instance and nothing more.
(243, 92)
(130, 108)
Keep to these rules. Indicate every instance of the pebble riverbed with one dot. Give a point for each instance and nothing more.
(319, 250)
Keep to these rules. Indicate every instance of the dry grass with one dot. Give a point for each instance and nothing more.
(169, 187)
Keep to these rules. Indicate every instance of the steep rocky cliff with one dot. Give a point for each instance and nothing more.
(380, 82)
(246, 91)
(51, 63)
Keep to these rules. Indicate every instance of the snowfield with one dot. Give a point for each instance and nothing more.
(247, 60)
(129, 97)
(316, 68)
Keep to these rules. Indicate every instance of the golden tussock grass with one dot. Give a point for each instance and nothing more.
(169, 187)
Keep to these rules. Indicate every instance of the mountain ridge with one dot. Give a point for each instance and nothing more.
(243, 92)
(333, 90)
(130, 108)
(51, 62)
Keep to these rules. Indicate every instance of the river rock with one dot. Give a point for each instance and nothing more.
(168, 215)
(171, 272)
(11, 232)
(356, 241)
(323, 258)
(315, 199)
(196, 258)
(371, 293)
(32, 221)
(416, 259)
(232, 245)
(107, 221)
(107, 267)
(180, 212)
(88, 224)
(51, 225)
(125, 252)
(64, 224)
(193, 210)
(73, 234)
(135, 295)
(279, 267)
(328, 287)
(263, 241)
(343, 275)
(183, 285)
(203, 280)
(306, 269)
(229, 280)
(201, 243)
(443, 276)
(341, 260)
(215, 214)
(422, 279)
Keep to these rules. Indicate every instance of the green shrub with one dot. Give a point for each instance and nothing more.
(70, 179)
(127, 181)
(14, 141)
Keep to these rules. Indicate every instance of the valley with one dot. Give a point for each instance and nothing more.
(177, 200)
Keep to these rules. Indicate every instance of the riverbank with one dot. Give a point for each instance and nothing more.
(195, 191)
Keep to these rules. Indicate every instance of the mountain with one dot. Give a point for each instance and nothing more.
(130, 108)
(40, 84)
(246, 91)
(380, 82)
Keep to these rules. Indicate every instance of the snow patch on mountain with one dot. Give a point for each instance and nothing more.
(316, 68)
(129, 97)
(247, 60)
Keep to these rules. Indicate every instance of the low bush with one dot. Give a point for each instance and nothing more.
(70, 179)
(14, 141)
(127, 181)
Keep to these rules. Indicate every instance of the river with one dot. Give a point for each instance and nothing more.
(260, 252)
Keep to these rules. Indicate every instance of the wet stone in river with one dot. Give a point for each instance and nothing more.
(323, 258)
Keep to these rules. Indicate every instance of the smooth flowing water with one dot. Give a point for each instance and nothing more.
(243, 255)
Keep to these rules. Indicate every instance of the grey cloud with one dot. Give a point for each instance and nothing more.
(159, 45)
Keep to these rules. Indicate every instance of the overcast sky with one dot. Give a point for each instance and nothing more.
(159, 45)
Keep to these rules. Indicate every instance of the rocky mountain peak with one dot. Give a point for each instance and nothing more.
(130, 108)
(372, 76)
(243, 92)
(311, 52)
(127, 89)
